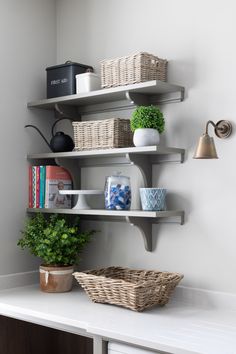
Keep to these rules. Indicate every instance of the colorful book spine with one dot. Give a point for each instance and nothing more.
(37, 186)
(42, 186)
(34, 186)
(30, 188)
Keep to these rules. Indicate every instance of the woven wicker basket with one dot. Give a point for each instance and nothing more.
(102, 134)
(133, 289)
(132, 69)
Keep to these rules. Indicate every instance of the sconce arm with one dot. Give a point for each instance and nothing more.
(223, 128)
(207, 125)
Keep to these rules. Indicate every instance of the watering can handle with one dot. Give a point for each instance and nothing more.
(58, 120)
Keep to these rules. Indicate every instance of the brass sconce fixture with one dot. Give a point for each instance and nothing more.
(206, 146)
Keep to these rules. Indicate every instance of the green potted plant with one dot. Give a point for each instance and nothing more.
(147, 122)
(57, 240)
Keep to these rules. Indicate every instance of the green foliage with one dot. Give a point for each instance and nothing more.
(56, 239)
(148, 117)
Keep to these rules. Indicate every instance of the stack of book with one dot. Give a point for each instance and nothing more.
(44, 185)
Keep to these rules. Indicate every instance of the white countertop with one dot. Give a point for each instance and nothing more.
(177, 328)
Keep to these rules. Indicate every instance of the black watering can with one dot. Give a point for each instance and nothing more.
(60, 142)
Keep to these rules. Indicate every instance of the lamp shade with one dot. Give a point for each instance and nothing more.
(205, 148)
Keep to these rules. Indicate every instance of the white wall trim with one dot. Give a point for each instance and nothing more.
(15, 280)
(191, 296)
(205, 298)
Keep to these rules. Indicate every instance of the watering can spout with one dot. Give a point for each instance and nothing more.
(59, 142)
(33, 126)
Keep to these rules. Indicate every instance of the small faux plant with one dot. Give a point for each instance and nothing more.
(56, 239)
(147, 117)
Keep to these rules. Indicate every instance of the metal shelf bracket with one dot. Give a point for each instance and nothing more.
(144, 165)
(145, 227)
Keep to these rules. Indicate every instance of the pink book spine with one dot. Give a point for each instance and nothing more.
(30, 188)
(37, 186)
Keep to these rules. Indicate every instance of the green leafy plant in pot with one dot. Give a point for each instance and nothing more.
(147, 122)
(58, 241)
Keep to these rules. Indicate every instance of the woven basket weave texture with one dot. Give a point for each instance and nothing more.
(102, 134)
(133, 289)
(139, 67)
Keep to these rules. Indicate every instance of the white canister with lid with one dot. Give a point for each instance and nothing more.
(117, 192)
(87, 82)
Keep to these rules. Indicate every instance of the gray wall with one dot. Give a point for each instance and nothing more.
(28, 45)
(198, 41)
(197, 38)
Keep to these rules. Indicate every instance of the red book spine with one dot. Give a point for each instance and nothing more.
(30, 188)
(37, 186)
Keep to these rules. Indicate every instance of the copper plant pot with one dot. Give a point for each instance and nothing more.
(56, 279)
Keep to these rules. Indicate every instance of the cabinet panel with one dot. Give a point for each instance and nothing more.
(118, 348)
(19, 337)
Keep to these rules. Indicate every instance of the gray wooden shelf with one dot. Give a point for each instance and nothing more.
(143, 220)
(112, 213)
(111, 99)
(120, 152)
(141, 157)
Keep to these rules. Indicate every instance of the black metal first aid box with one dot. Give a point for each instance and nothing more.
(61, 78)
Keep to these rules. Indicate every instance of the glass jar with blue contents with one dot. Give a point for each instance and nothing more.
(117, 192)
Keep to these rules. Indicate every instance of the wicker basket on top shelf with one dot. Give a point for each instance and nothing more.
(132, 69)
(102, 134)
(133, 289)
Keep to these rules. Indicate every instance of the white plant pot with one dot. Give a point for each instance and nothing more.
(146, 137)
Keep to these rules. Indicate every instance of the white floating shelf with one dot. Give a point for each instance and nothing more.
(105, 153)
(113, 213)
(122, 97)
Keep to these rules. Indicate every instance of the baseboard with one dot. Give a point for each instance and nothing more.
(15, 280)
(205, 298)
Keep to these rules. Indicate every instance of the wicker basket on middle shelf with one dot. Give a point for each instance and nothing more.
(102, 134)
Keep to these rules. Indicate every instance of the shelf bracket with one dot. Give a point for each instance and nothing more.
(168, 158)
(170, 97)
(145, 227)
(137, 99)
(62, 110)
(75, 172)
(73, 168)
(144, 165)
(128, 100)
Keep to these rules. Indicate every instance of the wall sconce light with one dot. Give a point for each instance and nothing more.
(206, 146)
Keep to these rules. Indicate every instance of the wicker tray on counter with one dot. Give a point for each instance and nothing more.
(133, 289)
(132, 69)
